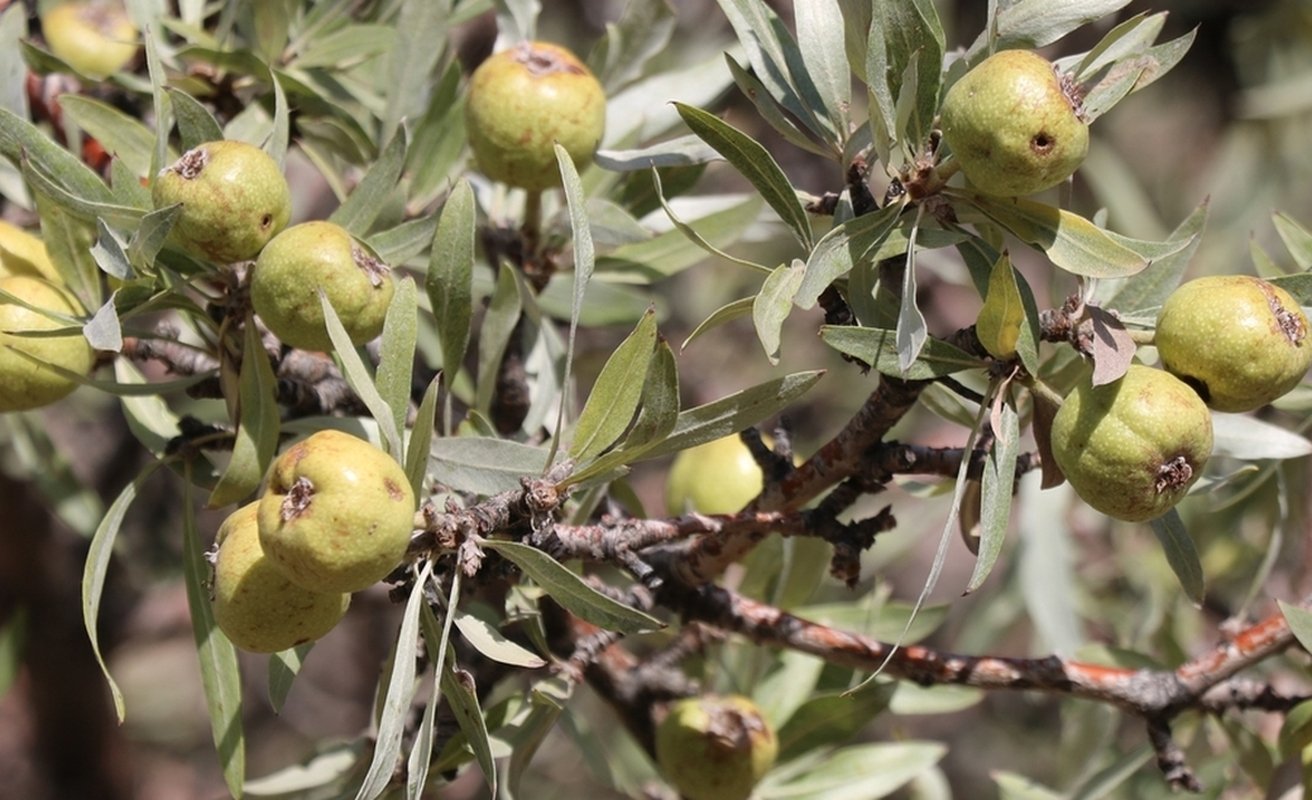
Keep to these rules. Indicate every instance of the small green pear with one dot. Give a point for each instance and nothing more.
(336, 514)
(318, 255)
(1014, 125)
(523, 100)
(715, 747)
(255, 605)
(718, 477)
(234, 200)
(96, 38)
(1133, 447)
(1240, 341)
(26, 381)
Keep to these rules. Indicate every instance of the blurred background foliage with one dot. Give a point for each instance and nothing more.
(1230, 123)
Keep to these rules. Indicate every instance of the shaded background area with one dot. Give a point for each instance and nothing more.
(1230, 123)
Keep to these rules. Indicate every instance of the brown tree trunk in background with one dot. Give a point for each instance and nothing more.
(58, 737)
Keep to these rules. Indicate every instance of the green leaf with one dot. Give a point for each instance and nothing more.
(772, 112)
(1247, 437)
(778, 63)
(99, 552)
(1297, 239)
(1129, 75)
(572, 592)
(912, 330)
(691, 232)
(369, 197)
(13, 637)
(357, 375)
(672, 252)
(615, 395)
(450, 277)
(483, 465)
(1299, 286)
(998, 479)
(397, 352)
(348, 44)
(499, 325)
(1035, 23)
(877, 347)
(660, 412)
(756, 165)
(1012, 786)
(1072, 242)
(421, 34)
(122, 135)
(257, 431)
(398, 696)
(735, 412)
(832, 717)
(151, 235)
(218, 658)
(76, 205)
(160, 105)
(585, 261)
(1300, 623)
(842, 248)
(421, 439)
(660, 400)
(526, 735)
(283, 669)
(196, 125)
(1150, 288)
(483, 635)
(1180, 553)
(820, 44)
(439, 139)
(865, 771)
(772, 304)
(458, 689)
(275, 144)
(728, 312)
(20, 140)
(999, 324)
(642, 33)
(906, 39)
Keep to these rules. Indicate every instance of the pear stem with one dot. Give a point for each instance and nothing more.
(532, 229)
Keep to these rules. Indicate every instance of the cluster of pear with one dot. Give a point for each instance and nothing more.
(1132, 448)
(335, 517)
(234, 205)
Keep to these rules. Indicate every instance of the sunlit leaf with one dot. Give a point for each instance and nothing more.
(572, 592)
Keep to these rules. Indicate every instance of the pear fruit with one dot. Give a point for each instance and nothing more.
(96, 38)
(336, 513)
(234, 200)
(309, 257)
(255, 605)
(523, 100)
(718, 477)
(26, 378)
(1239, 341)
(1014, 124)
(715, 747)
(1133, 447)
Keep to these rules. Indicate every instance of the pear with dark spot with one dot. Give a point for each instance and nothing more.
(1133, 447)
(234, 200)
(1014, 125)
(1240, 341)
(336, 514)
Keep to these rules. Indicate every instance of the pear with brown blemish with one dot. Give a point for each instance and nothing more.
(336, 513)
